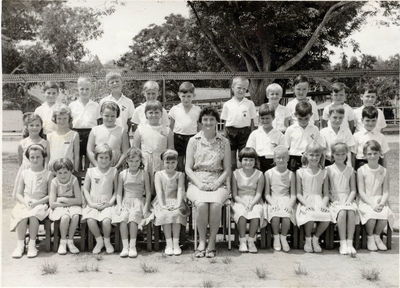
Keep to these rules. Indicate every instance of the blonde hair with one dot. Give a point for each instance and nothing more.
(102, 149)
(83, 79)
(274, 87)
(150, 85)
(238, 79)
(113, 75)
(280, 149)
(169, 155)
(316, 148)
(61, 109)
(135, 152)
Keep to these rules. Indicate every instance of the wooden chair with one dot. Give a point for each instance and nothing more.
(46, 236)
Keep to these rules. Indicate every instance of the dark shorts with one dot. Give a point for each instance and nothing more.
(237, 137)
(328, 162)
(265, 164)
(294, 163)
(83, 139)
(181, 142)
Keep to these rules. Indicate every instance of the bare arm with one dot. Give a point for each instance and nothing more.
(227, 165)
(86, 193)
(159, 189)
(53, 197)
(189, 165)
(325, 192)
(260, 188)
(170, 140)
(353, 190)
(235, 195)
(171, 123)
(19, 195)
(147, 189)
(286, 122)
(76, 152)
(119, 190)
(292, 189)
(47, 159)
(268, 192)
(115, 187)
(384, 164)
(137, 139)
(361, 189)
(124, 149)
(90, 149)
(299, 188)
(385, 194)
(181, 189)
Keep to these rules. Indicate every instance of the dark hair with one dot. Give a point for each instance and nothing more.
(209, 111)
(169, 155)
(135, 152)
(303, 109)
(373, 145)
(266, 109)
(368, 88)
(186, 87)
(153, 105)
(36, 147)
(28, 118)
(248, 152)
(51, 85)
(336, 109)
(110, 105)
(63, 163)
(369, 112)
(300, 79)
(339, 86)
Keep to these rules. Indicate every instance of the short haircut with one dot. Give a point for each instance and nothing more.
(248, 152)
(300, 79)
(28, 118)
(153, 105)
(280, 149)
(150, 85)
(113, 75)
(369, 88)
(373, 145)
(339, 86)
(303, 109)
(186, 87)
(83, 79)
(336, 109)
(61, 109)
(110, 105)
(169, 155)
(63, 163)
(274, 87)
(238, 79)
(265, 109)
(102, 149)
(338, 146)
(135, 152)
(313, 147)
(51, 85)
(369, 112)
(209, 111)
(36, 147)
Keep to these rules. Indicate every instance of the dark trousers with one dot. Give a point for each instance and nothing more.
(265, 164)
(294, 163)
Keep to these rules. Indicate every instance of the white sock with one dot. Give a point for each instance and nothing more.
(107, 241)
(20, 243)
(99, 240)
(132, 243)
(175, 242)
(169, 242)
(125, 243)
(32, 243)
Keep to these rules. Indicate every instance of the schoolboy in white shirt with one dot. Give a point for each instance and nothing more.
(338, 98)
(265, 138)
(239, 114)
(282, 114)
(85, 115)
(45, 111)
(369, 98)
(369, 132)
(126, 107)
(300, 134)
(184, 119)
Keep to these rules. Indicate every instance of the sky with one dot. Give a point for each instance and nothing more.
(128, 20)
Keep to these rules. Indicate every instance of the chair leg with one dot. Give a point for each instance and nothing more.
(47, 228)
(56, 236)
(363, 238)
(356, 241)
(263, 232)
(224, 221)
(83, 233)
(183, 236)
(236, 237)
(269, 236)
(148, 237)
(117, 238)
(228, 220)
(157, 231)
(301, 237)
(295, 236)
(90, 241)
(389, 238)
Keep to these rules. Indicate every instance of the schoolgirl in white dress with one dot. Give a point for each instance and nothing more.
(280, 193)
(313, 195)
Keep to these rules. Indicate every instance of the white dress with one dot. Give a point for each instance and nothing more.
(280, 194)
(247, 189)
(110, 136)
(312, 194)
(373, 184)
(133, 199)
(25, 143)
(339, 190)
(169, 186)
(101, 190)
(61, 146)
(35, 188)
(64, 190)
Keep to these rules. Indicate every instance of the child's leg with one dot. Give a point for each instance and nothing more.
(254, 223)
(64, 225)
(242, 227)
(275, 223)
(133, 227)
(21, 230)
(215, 219)
(370, 226)
(308, 227)
(202, 221)
(123, 228)
(94, 228)
(351, 224)
(176, 229)
(285, 230)
(380, 225)
(33, 230)
(321, 227)
(106, 225)
(167, 228)
(341, 222)
(71, 232)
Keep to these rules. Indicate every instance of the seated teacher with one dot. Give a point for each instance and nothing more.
(208, 166)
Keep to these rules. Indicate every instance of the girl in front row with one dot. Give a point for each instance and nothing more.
(342, 194)
(133, 201)
(313, 195)
(65, 203)
(280, 193)
(373, 186)
(169, 207)
(247, 187)
(32, 198)
(99, 191)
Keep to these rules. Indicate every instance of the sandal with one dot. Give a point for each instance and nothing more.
(200, 253)
(211, 253)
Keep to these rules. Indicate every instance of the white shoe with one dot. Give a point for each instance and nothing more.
(71, 247)
(177, 249)
(18, 252)
(109, 248)
(379, 243)
(371, 245)
(251, 245)
(350, 248)
(343, 249)
(315, 244)
(284, 243)
(124, 253)
(62, 247)
(32, 251)
(169, 251)
(277, 243)
(99, 246)
(243, 245)
(132, 252)
(308, 246)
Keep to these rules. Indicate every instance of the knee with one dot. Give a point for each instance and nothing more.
(106, 222)
(75, 217)
(65, 218)
(33, 220)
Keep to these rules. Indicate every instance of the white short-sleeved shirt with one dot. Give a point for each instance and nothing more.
(139, 116)
(46, 112)
(361, 137)
(281, 113)
(291, 105)
(297, 138)
(185, 122)
(126, 108)
(62, 145)
(238, 114)
(348, 115)
(344, 135)
(84, 116)
(265, 143)
(380, 123)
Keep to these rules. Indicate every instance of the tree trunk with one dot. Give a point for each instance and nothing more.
(257, 90)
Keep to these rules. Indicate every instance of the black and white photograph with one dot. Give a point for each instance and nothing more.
(176, 143)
